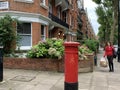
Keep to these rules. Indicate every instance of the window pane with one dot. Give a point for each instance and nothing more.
(42, 30)
(24, 30)
(25, 40)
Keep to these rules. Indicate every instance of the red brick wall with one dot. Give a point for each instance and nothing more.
(28, 7)
(46, 64)
(35, 33)
(35, 64)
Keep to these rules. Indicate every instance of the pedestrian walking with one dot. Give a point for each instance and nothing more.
(109, 54)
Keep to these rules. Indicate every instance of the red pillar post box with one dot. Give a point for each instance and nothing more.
(71, 65)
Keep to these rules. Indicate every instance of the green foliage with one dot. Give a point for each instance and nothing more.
(83, 50)
(105, 14)
(92, 44)
(97, 1)
(51, 48)
(7, 33)
(107, 20)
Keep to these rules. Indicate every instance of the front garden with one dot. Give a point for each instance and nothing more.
(47, 55)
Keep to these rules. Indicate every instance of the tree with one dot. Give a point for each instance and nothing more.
(107, 18)
(7, 33)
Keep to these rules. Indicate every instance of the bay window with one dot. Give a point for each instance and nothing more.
(24, 32)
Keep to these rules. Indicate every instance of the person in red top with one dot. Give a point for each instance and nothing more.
(109, 53)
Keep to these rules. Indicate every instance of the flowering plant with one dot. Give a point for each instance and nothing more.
(83, 51)
(51, 48)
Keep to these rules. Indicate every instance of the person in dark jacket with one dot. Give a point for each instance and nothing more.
(109, 54)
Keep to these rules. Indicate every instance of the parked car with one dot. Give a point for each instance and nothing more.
(116, 47)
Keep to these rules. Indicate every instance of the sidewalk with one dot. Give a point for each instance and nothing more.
(100, 79)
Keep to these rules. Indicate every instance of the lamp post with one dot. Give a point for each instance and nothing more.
(118, 30)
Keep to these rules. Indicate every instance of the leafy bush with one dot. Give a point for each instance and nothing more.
(51, 48)
(92, 44)
(83, 51)
(7, 33)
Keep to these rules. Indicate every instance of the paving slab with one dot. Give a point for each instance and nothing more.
(99, 79)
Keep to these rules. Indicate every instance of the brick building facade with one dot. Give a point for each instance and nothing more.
(41, 19)
(84, 25)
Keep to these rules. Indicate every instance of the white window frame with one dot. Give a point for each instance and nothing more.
(26, 1)
(43, 4)
(50, 8)
(26, 47)
(43, 37)
(65, 17)
(59, 12)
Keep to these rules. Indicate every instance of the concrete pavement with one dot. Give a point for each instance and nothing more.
(100, 79)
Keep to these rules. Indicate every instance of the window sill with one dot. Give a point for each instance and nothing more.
(24, 48)
(44, 6)
(25, 1)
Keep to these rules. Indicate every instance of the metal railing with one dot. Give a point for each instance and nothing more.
(57, 20)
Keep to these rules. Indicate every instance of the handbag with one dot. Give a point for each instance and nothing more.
(103, 62)
(114, 54)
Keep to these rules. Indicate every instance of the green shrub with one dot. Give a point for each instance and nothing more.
(92, 44)
(51, 48)
(7, 33)
(83, 50)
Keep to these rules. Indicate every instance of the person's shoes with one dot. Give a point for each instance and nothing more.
(110, 70)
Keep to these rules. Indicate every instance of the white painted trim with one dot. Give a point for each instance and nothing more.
(25, 1)
(73, 34)
(58, 3)
(24, 48)
(1, 47)
(44, 6)
(29, 17)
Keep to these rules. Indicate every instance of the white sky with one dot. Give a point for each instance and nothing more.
(90, 5)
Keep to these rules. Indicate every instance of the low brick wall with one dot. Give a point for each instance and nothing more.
(35, 64)
(46, 64)
(86, 65)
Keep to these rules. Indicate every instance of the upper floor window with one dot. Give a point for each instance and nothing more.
(43, 33)
(43, 2)
(72, 21)
(50, 7)
(59, 12)
(64, 14)
(27, 1)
